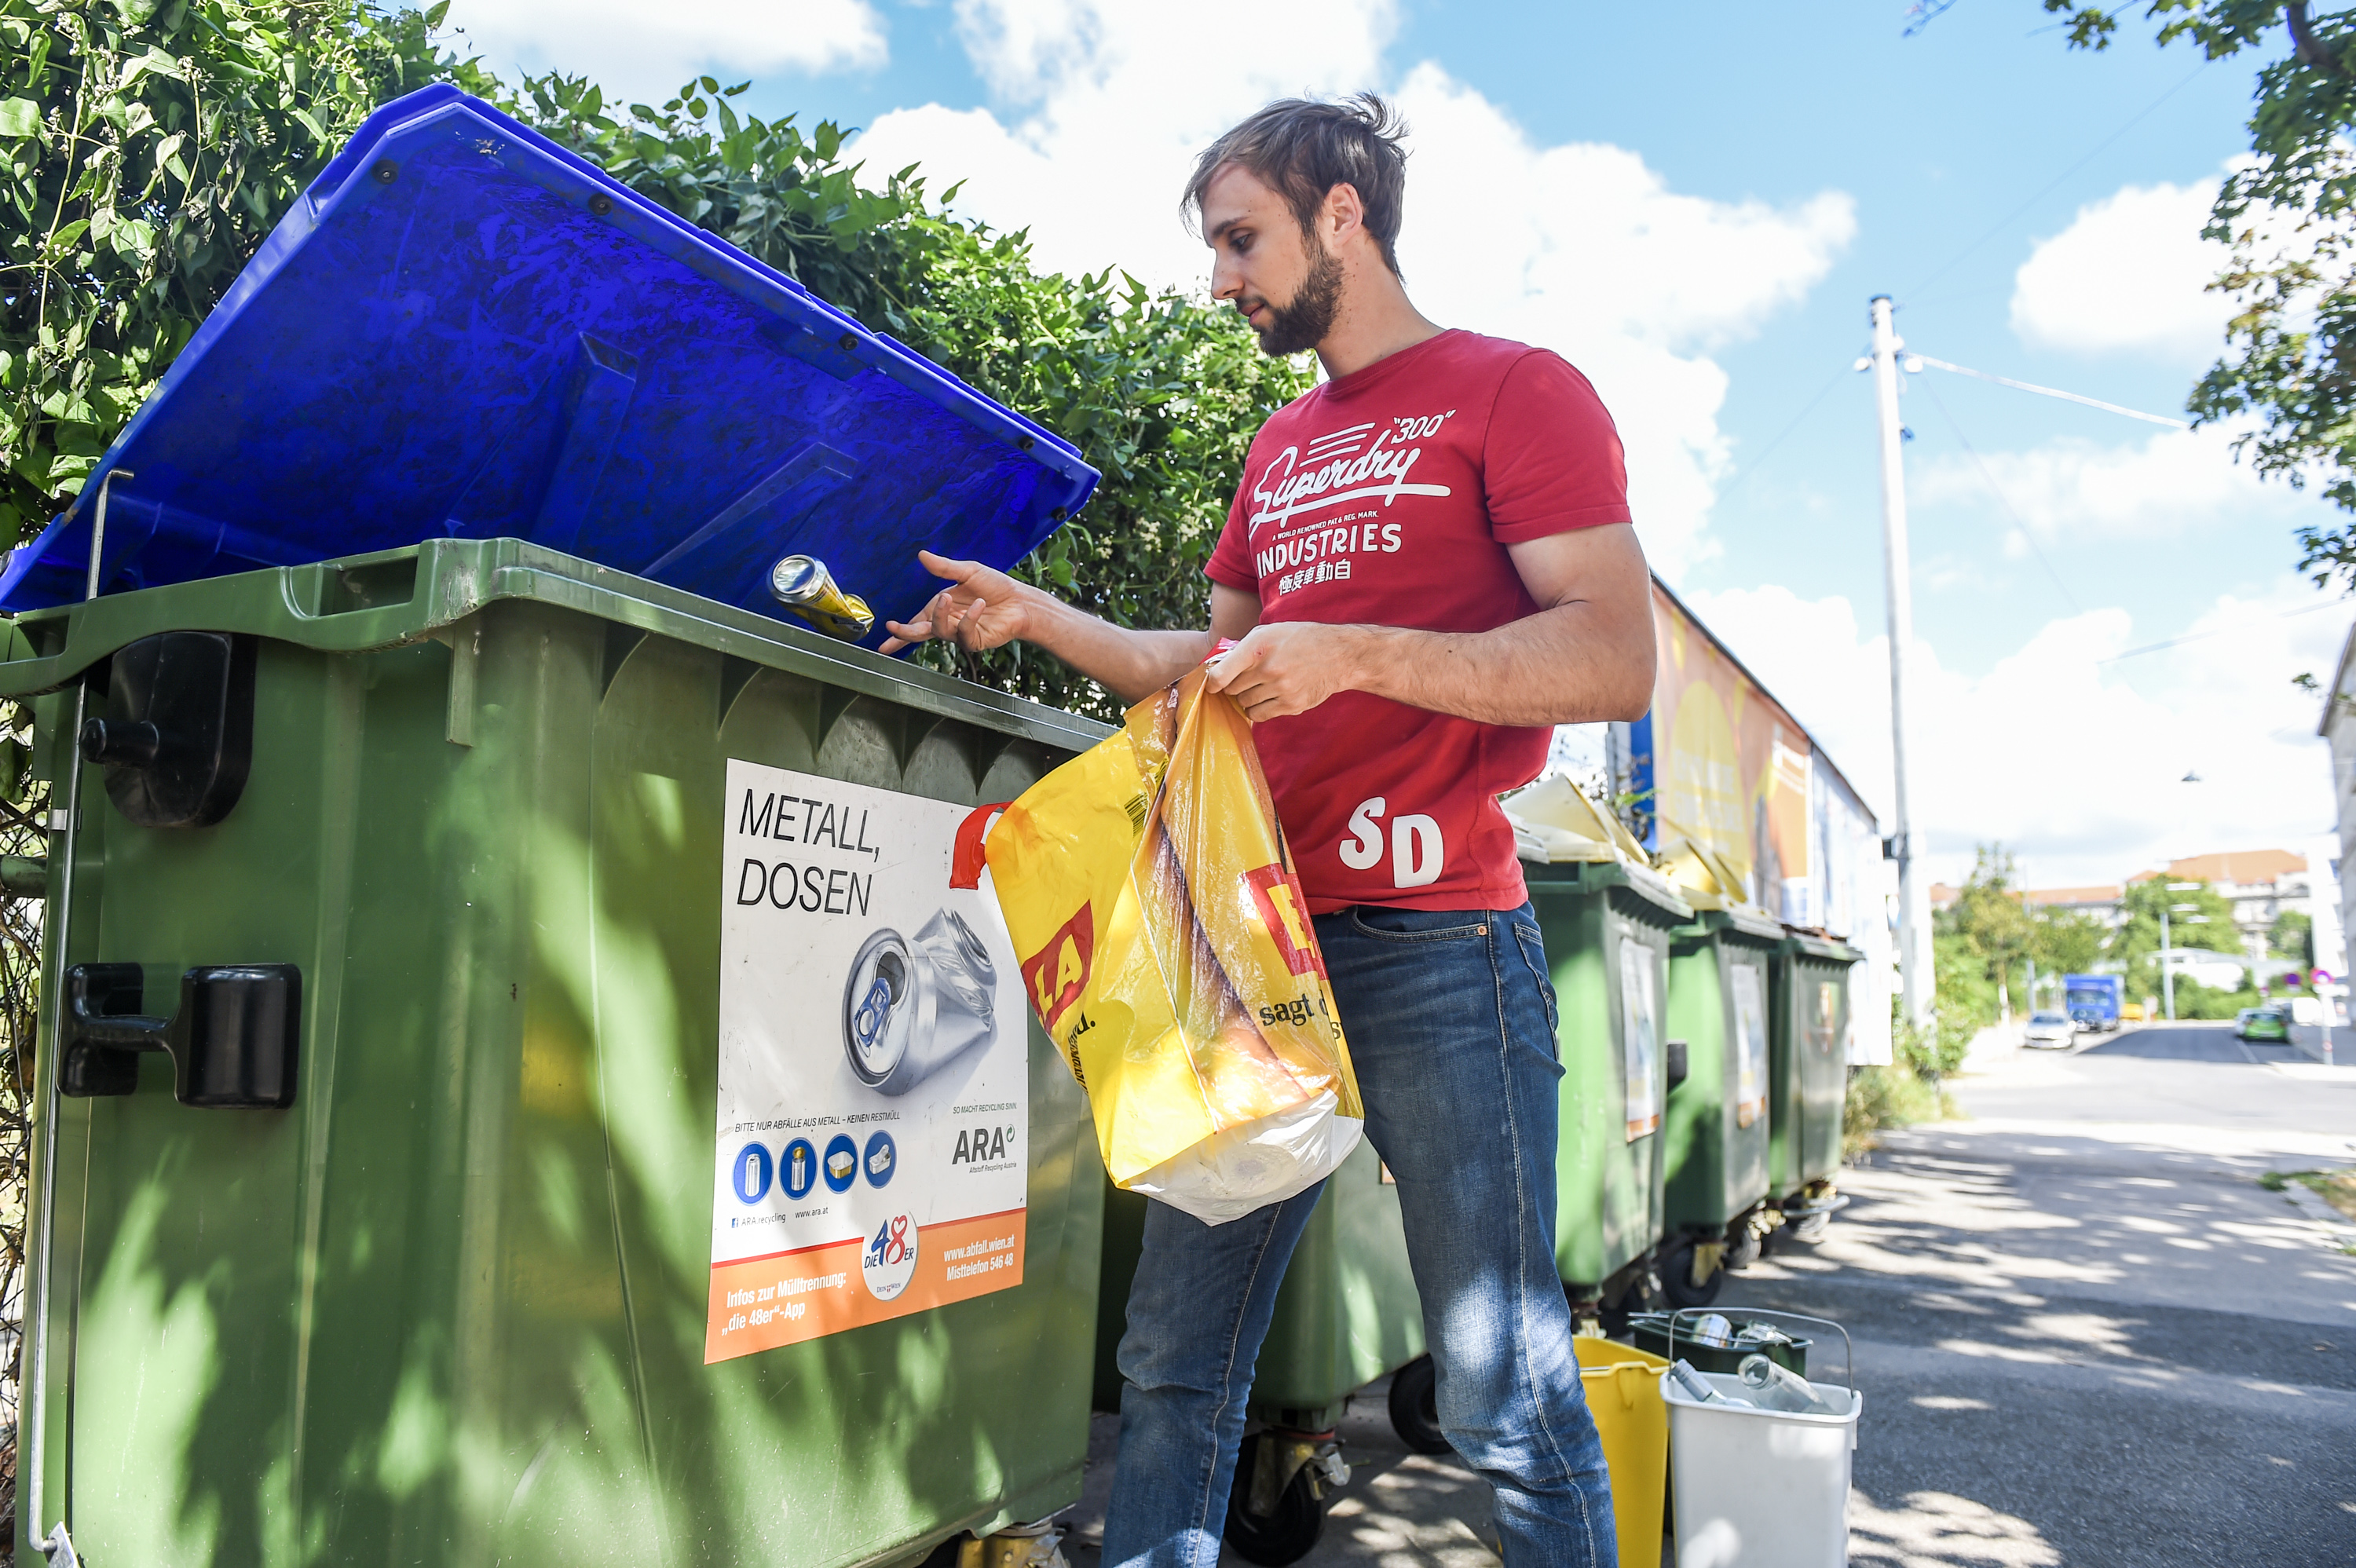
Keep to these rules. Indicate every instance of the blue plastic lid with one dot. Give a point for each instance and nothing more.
(463, 330)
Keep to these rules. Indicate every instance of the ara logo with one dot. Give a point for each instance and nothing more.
(979, 1146)
(1417, 852)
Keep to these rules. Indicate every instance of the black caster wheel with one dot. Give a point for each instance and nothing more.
(1676, 1281)
(1415, 1406)
(1285, 1535)
(1812, 1228)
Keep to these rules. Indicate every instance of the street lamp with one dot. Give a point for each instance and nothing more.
(2167, 971)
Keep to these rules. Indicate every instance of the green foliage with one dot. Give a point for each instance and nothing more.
(1892, 1096)
(2292, 937)
(2209, 925)
(2067, 942)
(2290, 217)
(1935, 1050)
(149, 148)
(2195, 1000)
(1987, 932)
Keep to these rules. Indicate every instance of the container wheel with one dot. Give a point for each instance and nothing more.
(1415, 1406)
(1812, 1227)
(1285, 1535)
(1677, 1280)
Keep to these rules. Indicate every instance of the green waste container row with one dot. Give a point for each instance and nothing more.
(465, 920)
(1720, 986)
(1608, 926)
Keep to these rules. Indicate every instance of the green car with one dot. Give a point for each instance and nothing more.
(2262, 1023)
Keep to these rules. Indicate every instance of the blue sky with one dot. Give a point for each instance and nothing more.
(1695, 205)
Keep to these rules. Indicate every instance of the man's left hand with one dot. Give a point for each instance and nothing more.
(1288, 667)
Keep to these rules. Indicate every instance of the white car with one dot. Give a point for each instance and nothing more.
(2053, 1031)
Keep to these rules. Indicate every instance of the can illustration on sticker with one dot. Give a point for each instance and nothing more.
(910, 1008)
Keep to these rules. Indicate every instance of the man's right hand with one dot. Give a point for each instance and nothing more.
(981, 608)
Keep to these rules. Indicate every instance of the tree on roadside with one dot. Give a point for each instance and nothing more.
(1995, 929)
(2289, 216)
(2292, 937)
(2067, 942)
(2208, 925)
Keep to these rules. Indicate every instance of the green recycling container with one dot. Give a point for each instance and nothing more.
(1719, 987)
(1607, 925)
(509, 993)
(1346, 1314)
(1807, 1067)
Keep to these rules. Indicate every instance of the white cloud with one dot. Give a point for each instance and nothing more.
(2074, 763)
(1581, 248)
(2129, 273)
(637, 52)
(2174, 484)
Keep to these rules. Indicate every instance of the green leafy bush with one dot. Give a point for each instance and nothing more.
(1883, 1098)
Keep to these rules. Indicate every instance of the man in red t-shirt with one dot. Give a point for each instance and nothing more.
(1428, 564)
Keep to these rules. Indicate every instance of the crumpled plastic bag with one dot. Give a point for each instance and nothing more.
(1167, 948)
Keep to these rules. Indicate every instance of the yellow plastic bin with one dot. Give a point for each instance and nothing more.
(1623, 1391)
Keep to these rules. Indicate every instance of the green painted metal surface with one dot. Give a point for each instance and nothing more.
(450, 1308)
(1716, 1153)
(1807, 1061)
(1347, 1313)
(1605, 924)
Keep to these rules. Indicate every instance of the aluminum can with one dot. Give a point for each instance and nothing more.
(802, 584)
(909, 1008)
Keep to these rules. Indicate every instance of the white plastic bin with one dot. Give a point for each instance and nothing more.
(1760, 1489)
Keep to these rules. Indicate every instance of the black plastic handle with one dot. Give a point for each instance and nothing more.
(232, 1043)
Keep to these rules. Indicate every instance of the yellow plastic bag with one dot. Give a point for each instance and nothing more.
(1166, 947)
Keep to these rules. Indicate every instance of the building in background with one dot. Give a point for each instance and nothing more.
(2102, 903)
(2264, 885)
(2338, 726)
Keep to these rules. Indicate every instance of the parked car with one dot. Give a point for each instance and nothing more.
(2262, 1023)
(2050, 1031)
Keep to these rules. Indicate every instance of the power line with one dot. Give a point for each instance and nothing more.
(1754, 466)
(2053, 392)
(1997, 228)
(2002, 500)
(2221, 631)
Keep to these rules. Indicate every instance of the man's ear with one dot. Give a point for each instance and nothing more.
(1345, 214)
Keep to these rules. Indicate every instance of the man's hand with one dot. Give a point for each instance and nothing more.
(1288, 666)
(980, 609)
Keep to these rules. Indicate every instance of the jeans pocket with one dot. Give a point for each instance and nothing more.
(1533, 947)
(1418, 924)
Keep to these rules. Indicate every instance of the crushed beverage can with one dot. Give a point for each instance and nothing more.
(802, 584)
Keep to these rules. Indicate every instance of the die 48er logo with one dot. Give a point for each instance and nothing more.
(890, 1260)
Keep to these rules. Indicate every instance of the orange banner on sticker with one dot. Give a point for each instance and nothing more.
(759, 1304)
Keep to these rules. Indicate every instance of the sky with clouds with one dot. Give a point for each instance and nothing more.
(1696, 215)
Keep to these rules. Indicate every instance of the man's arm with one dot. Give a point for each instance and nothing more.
(1587, 654)
(981, 609)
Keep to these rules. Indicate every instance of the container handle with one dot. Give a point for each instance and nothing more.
(1848, 1350)
(965, 858)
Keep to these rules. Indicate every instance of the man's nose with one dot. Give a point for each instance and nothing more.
(1226, 278)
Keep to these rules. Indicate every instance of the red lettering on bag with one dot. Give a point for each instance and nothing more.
(1057, 974)
(1285, 912)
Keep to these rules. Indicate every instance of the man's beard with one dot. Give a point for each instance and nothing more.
(1303, 323)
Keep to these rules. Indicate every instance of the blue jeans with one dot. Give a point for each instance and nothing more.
(1451, 1027)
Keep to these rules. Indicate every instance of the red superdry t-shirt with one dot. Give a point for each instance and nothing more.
(1388, 497)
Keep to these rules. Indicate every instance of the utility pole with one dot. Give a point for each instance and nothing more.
(1916, 975)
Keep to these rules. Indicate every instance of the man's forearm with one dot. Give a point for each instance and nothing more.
(1563, 665)
(1131, 665)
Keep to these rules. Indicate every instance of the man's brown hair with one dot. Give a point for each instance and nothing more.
(1301, 149)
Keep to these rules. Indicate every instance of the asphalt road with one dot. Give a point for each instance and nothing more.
(2085, 1333)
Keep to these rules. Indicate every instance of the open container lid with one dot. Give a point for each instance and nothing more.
(462, 330)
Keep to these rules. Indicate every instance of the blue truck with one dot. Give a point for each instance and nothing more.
(2093, 1000)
